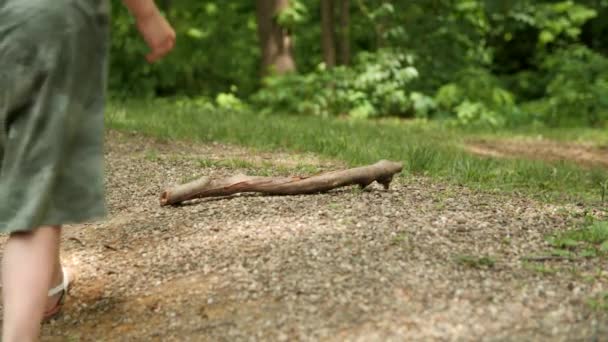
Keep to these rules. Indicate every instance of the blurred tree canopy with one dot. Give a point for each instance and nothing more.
(493, 63)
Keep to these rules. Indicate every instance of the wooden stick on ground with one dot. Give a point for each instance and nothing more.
(382, 172)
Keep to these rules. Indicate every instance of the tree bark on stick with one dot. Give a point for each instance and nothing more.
(381, 172)
(275, 41)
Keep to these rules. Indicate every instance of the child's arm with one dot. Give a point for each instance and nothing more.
(141, 8)
(154, 28)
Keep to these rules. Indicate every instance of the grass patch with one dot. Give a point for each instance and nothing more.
(334, 205)
(425, 148)
(400, 239)
(74, 338)
(597, 137)
(589, 241)
(599, 303)
(307, 170)
(475, 261)
(231, 163)
(258, 169)
(540, 268)
(562, 253)
(152, 155)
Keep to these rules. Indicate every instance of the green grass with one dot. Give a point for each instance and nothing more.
(400, 238)
(475, 261)
(425, 148)
(589, 241)
(258, 169)
(540, 268)
(307, 170)
(152, 155)
(599, 303)
(596, 137)
(230, 163)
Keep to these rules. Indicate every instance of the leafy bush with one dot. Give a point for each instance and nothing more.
(561, 19)
(229, 101)
(486, 63)
(376, 85)
(478, 98)
(577, 91)
(216, 46)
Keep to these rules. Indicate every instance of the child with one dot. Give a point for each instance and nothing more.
(52, 78)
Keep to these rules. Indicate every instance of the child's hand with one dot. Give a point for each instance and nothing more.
(157, 33)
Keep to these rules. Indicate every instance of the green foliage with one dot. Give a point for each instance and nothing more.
(375, 86)
(589, 241)
(478, 98)
(461, 77)
(493, 64)
(540, 268)
(599, 302)
(551, 21)
(293, 15)
(216, 46)
(577, 91)
(475, 261)
(230, 101)
(561, 19)
(420, 158)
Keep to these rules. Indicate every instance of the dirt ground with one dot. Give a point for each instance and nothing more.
(587, 155)
(349, 265)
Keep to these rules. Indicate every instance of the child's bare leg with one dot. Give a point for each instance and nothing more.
(30, 266)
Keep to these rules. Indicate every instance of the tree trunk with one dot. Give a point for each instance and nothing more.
(381, 172)
(328, 32)
(275, 41)
(345, 32)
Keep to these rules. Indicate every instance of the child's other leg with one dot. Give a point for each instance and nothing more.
(30, 266)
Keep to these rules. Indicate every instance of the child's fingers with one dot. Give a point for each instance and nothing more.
(151, 57)
(160, 51)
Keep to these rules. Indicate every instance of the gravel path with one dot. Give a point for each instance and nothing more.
(397, 265)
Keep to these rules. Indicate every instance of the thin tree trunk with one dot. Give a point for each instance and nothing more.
(328, 33)
(275, 41)
(345, 32)
(381, 172)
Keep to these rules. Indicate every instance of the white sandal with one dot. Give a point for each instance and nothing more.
(62, 289)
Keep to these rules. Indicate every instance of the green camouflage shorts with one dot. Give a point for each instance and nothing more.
(53, 58)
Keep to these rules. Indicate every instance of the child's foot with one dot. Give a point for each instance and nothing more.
(57, 294)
